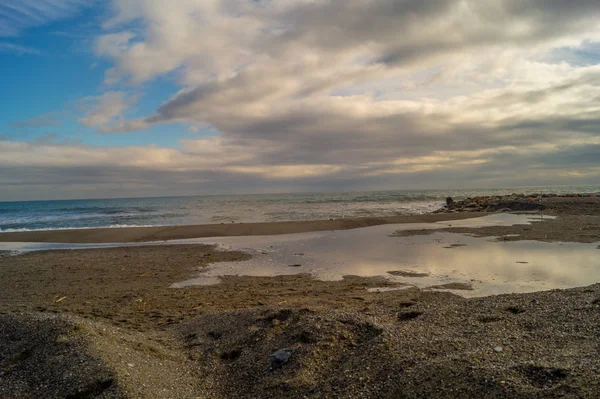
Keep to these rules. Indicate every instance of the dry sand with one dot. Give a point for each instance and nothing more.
(103, 323)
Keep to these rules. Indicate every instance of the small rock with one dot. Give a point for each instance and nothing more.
(498, 349)
(279, 358)
(130, 364)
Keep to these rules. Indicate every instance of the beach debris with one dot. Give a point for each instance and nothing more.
(143, 274)
(522, 262)
(262, 251)
(498, 349)
(279, 358)
(295, 265)
(449, 202)
(60, 299)
(130, 365)
(301, 254)
(140, 304)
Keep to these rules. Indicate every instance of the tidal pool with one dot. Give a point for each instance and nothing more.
(483, 264)
(486, 265)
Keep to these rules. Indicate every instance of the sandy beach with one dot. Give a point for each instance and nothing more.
(145, 234)
(104, 323)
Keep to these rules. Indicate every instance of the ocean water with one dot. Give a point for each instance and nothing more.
(170, 211)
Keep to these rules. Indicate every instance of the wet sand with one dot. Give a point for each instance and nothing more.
(100, 323)
(145, 234)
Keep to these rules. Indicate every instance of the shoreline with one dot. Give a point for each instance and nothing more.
(105, 323)
(574, 206)
(165, 233)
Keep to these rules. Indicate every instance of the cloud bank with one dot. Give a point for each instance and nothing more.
(308, 94)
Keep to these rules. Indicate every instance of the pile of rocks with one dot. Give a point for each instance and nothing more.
(499, 203)
(513, 202)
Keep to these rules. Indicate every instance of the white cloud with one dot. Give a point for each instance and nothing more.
(384, 91)
(107, 110)
(210, 165)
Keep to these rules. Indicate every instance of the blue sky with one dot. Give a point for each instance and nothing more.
(150, 98)
(49, 69)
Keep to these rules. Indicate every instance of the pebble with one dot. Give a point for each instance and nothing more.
(498, 349)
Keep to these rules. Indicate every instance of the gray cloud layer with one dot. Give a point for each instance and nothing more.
(340, 94)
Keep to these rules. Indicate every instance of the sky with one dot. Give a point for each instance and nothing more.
(126, 98)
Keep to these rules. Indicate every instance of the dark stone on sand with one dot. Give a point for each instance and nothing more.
(279, 358)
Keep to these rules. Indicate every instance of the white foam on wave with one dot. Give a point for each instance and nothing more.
(112, 226)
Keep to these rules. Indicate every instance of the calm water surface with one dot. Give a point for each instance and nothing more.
(489, 266)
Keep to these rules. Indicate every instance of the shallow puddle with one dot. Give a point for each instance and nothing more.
(477, 266)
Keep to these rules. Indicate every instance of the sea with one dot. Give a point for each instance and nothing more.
(173, 211)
